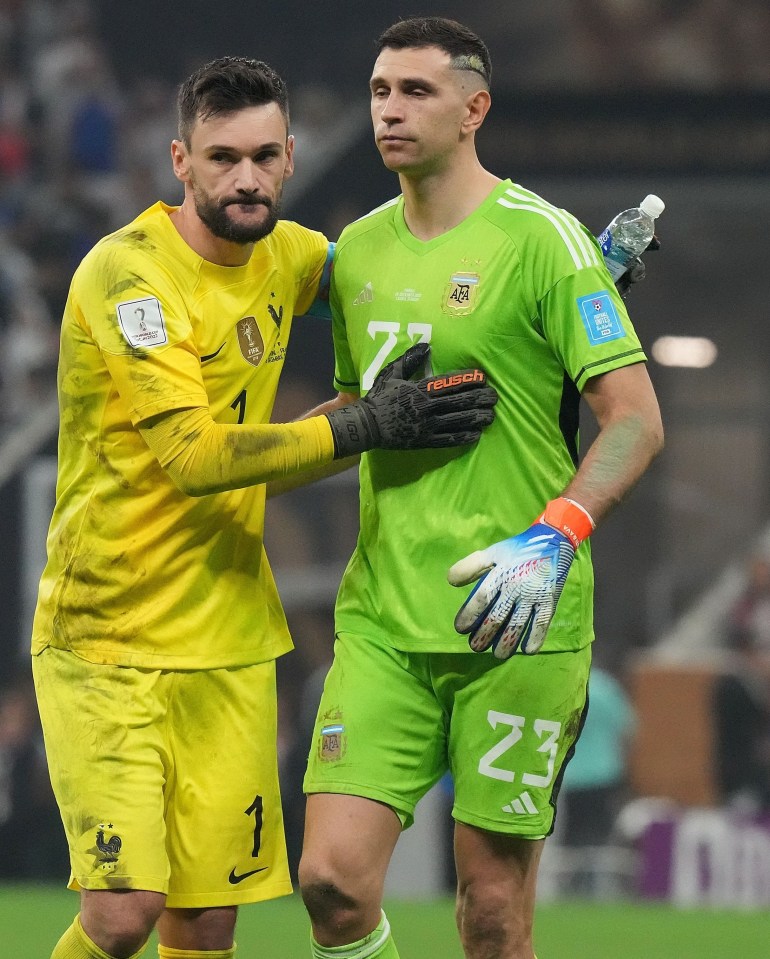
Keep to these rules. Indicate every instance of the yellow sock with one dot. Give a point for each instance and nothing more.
(166, 952)
(377, 945)
(75, 944)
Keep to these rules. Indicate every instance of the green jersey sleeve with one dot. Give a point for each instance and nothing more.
(587, 326)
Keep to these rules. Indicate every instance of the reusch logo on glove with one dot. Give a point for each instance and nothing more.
(456, 379)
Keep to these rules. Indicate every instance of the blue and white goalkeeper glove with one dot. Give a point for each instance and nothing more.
(512, 605)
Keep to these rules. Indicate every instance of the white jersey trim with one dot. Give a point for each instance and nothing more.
(580, 248)
(383, 206)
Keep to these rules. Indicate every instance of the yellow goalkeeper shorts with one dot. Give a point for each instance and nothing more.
(166, 780)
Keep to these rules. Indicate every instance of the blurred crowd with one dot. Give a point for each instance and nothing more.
(78, 157)
(741, 698)
(31, 838)
(687, 45)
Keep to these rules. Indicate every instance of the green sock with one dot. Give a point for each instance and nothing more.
(75, 944)
(377, 945)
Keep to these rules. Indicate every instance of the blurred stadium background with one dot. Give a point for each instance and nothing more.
(596, 104)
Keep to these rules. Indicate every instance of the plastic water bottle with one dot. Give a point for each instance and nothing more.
(628, 235)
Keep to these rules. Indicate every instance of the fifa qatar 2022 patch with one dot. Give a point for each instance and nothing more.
(600, 318)
(142, 322)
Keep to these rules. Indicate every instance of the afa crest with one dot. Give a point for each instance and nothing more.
(461, 294)
(250, 340)
(332, 743)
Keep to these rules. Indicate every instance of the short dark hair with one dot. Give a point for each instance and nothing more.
(225, 86)
(466, 49)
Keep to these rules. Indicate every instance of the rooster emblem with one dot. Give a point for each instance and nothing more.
(109, 848)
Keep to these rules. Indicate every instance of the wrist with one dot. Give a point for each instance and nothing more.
(569, 518)
(353, 429)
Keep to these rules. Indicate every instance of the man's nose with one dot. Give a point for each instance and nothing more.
(391, 109)
(247, 177)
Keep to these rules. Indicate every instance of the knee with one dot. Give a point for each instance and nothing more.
(120, 923)
(122, 938)
(331, 901)
(124, 943)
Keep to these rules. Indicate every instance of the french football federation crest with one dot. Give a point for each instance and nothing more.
(250, 340)
(107, 847)
(460, 298)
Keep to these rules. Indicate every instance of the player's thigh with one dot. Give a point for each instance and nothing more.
(224, 820)
(102, 727)
(512, 730)
(348, 843)
(380, 732)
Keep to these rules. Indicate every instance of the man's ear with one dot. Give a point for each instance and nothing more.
(289, 168)
(180, 160)
(477, 106)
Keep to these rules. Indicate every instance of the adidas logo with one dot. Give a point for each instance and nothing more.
(365, 296)
(522, 806)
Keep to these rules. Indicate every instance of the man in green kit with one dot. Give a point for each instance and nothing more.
(492, 276)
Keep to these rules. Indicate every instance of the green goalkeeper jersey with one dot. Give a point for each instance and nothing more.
(519, 288)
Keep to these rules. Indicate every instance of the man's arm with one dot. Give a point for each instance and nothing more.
(521, 578)
(313, 474)
(204, 457)
(630, 437)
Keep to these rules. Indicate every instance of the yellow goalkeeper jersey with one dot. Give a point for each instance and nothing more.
(138, 573)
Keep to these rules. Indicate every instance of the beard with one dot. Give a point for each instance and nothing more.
(213, 213)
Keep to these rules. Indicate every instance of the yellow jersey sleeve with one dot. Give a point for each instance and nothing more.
(136, 316)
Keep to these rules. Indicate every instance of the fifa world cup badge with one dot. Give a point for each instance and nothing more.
(460, 295)
(250, 340)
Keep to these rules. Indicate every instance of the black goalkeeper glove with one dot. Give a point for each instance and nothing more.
(397, 414)
(637, 271)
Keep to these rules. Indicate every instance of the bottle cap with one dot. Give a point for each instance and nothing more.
(652, 205)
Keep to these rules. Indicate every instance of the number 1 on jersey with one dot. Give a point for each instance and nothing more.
(239, 404)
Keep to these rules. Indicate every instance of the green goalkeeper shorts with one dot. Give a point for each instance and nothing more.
(391, 723)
